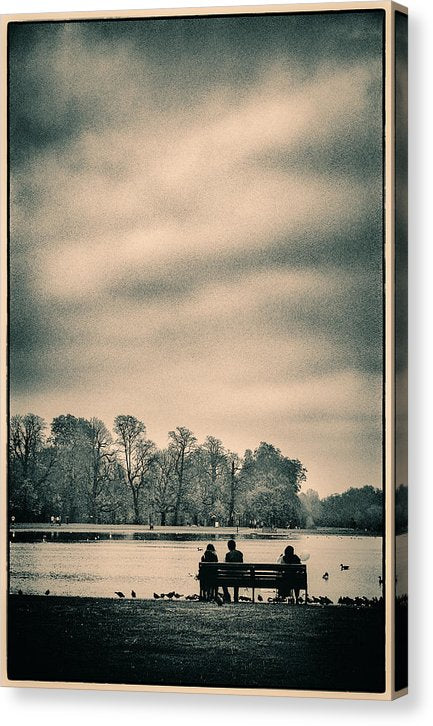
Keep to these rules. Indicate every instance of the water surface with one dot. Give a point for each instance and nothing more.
(98, 568)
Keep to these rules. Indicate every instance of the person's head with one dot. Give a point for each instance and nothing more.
(289, 552)
(231, 544)
(210, 547)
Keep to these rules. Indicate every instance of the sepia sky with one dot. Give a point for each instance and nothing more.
(196, 230)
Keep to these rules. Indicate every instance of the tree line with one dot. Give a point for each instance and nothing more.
(78, 469)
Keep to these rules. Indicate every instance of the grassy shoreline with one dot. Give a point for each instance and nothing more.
(195, 644)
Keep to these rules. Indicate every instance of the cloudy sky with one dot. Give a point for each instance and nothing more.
(196, 230)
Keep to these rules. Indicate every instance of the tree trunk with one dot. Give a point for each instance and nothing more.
(137, 518)
(179, 491)
(232, 496)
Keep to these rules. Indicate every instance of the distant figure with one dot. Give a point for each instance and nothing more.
(52, 520)
(344, 567)
(119, 594)
(233, 555)
(133, 593)
(289, 558)
(58, 521)
(12, 520)
(210, 593)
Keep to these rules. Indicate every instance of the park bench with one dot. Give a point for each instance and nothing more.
(254, 576)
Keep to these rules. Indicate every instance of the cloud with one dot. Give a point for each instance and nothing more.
(196, 228)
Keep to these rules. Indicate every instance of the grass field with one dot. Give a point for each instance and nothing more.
(195, 644)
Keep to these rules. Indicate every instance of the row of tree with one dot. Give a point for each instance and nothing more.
(77, 469)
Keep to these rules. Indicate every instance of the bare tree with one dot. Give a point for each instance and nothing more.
(31, 460)
(138, 454)
(211, 468)
(101, 470)
(163, 489)
(182, 445)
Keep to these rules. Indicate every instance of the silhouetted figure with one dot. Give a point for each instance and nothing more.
(133, 593)
(210, 593)
(119, 594)
(289, 558)
(233, 555)
(47, 592)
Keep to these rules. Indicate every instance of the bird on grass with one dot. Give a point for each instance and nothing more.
(119, 594)
(344, 567)
(325, 601)
(47, 592)
(133, 593)
(325, 576)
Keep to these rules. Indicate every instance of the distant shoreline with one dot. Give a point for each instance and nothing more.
(84, 531)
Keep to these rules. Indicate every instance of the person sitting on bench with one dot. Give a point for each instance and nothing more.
(233, 555)
(210, 556)
(289, 558)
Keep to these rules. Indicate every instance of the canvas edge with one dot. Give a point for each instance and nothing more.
(390, 8)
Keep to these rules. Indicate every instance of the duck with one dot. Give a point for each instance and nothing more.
(156, 596)
(325, 576)
(344, 567)
(119, 594)
(259, 598)
(47, 592)
(133, 593)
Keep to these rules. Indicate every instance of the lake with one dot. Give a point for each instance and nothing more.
(98, 568)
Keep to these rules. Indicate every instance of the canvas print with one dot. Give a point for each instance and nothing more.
(196, 351)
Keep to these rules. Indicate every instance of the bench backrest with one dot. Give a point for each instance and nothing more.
(247, 574)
